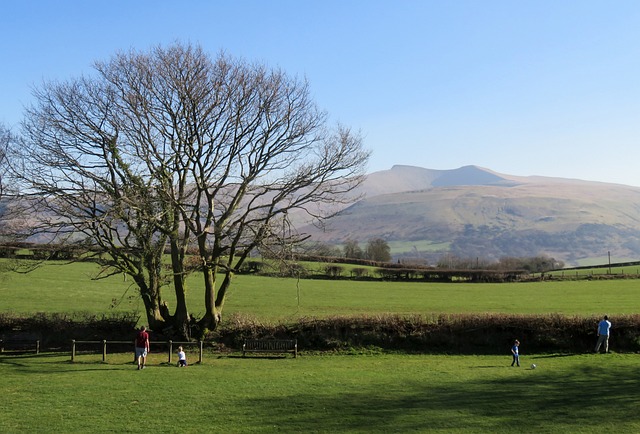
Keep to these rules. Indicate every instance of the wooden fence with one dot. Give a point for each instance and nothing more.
(20, 345)
(104, 343)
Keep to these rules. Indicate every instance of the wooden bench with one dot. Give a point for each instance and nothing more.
(270, 346)
(19, 345)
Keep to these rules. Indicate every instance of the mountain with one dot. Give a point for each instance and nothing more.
(474, 212)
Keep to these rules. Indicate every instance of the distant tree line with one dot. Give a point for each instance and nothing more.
(376, 250)
(536, 264)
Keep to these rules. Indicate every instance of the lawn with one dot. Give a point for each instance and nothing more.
(322, 393)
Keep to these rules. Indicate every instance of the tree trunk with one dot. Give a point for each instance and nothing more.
(181, 314)
(155, 310)
(211, 316)
(222, 292)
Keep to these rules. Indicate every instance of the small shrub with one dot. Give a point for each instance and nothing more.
(333, 271)
(359, 272)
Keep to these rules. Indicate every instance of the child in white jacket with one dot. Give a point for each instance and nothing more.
(182, 358)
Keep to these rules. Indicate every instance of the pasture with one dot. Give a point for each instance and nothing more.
(70, 288)
(618, 270)
(361, 391)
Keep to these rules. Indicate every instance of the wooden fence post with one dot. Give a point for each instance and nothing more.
(104, 350)
(38, 346)
(200, 357)
(73, 350)
(170, 349)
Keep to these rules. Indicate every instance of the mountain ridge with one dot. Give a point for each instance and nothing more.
(473, 211)
(465, 175)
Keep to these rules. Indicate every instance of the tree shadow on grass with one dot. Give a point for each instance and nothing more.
(589, 399)
(259, 356)
(20, 363)
(77, 365)
(17, 359)
(552, 356)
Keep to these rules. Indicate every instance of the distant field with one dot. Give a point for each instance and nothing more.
(69, 288)
(421, 246)
(587, 262)
(631, 270)
(360, 393)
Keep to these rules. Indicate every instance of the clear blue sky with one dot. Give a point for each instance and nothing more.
(542, 87)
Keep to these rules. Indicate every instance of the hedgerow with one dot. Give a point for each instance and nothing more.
(444, 333)
(56, 330)
(441, 333)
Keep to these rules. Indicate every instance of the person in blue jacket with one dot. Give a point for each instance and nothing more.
(516, 353)
(603, 334)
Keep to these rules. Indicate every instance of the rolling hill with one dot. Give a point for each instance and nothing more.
(474, 212)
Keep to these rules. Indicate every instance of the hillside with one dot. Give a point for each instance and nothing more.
(475, 212)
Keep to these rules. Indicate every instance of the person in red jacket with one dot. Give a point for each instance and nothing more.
(142, 347)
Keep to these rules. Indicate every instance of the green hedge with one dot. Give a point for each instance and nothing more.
(57, 330)
(455, 334)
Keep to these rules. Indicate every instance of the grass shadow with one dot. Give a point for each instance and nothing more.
(260, 356)
(537, 403)
(551, 356)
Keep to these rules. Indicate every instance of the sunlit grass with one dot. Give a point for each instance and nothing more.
(69, 288)
(359, 392)
(338, 393)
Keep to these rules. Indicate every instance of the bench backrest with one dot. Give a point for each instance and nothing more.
(270, 344)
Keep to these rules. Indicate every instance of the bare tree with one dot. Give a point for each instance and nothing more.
(14, 218)
(173, 149)
(352, 249)
(378, 250)
(11, 215)
(5, 139)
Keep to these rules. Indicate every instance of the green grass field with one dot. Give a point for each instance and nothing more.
(359, 392)
(421, 246)
(630, 270)
(69, 288)
(338, 393)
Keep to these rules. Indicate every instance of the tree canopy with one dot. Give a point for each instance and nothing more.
(378, 250)
(173, 150)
